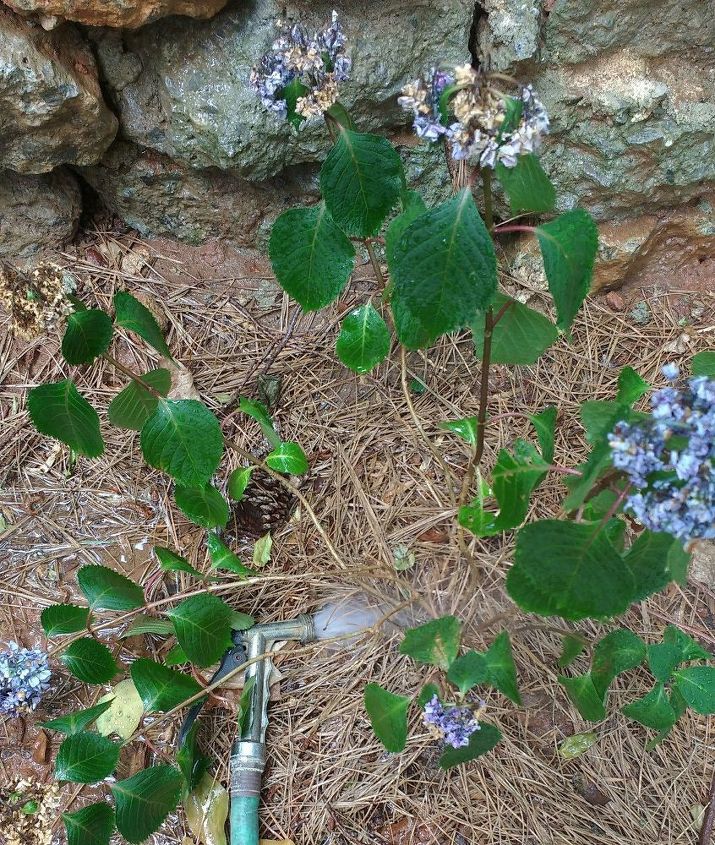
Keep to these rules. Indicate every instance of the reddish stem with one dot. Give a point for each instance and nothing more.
(504, 229)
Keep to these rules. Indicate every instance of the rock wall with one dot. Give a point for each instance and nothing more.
(629, 85)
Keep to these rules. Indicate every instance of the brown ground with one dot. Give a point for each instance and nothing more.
(374, 483)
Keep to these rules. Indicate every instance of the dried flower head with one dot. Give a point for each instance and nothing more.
(454, 725)
(37, 300)
(28, 811)
(670, 459)
(489, 128)
(24, 677)
(312, 67)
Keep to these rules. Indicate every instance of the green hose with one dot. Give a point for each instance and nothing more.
(244, 820)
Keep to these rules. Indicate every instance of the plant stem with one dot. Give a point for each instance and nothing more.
(375, 263)
(502, 311)
(132, 375)
(504, 229)
(484, 387)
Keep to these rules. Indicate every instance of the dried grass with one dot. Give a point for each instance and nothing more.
(375, 483)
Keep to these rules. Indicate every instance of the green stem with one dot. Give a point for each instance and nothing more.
(375, 263)
(132, 375)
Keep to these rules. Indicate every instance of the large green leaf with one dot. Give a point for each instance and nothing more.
(288, 458)
(412, 206)
(697, 686)
(688, 647)
(388, 716)
(468, 670)
(361, 180)
(106, 589)
(647, 562)
(568, 569)
(617, 652)
(90, 661)
(480, 742)
(663, 660)
(161, 688)
(704, 364)
(86, 758)
(135, 404)
(60, 411)
(88, 335)
(144, 800)
(183, 438)
(203, 505)
(412, 333)
(63, 619)
(364, 339)
(527, 186)
(203, 628)
(521, 336)
(72, 723)
(435, 642)
(130, 314)
(654, 710)
(311, 256)
(223, 558)
(444, 267)
(568, 246)
(92, 825)
(585, 696)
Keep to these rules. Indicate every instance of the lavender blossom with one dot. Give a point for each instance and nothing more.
(318, 64)
(480, 111)
(452, 724)
(24, 677)
(670, 459)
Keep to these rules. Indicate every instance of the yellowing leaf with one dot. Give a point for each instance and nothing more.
(207, 810)
(262, 550)
(577, 744)
(124, 713)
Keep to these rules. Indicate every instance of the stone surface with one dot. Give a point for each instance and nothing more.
(181, 87)
(37, 212)
(119, 13)
(51, 108)
(629, 85)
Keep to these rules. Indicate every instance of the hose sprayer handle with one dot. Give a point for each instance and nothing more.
(248, 759)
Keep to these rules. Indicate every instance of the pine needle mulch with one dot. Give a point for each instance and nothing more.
(375, 483)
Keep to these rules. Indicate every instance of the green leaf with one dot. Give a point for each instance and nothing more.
(652, 710)
(238, 481)
(388, 716)
(106, 589)
(501, 671)
(598, 461)
(223, 558)
(689, 648)
(521, 336)
(135, 404)
(480, 742)
(436, 642)
(678, 563)
(183, 438)
(241, 621)
(259, 412)
(73, 723)
(130, 314)
(361, 180)
(364, 340)
(571, 647)
(244, 705)
(145, 800)
(90, 661)
(568, 569)
(630, 386)
(584, 696)
(203, 628)
(647, 562)
(288, 458)
(291, 93)
(703, 364)
(697, 686)
(311, 256)
(663, 660)
(412, 333)
(444, 267)
(176, 656)
(92, 825)
(341, 115)
(427, 693)
(60, 411)
(172, 562)
(412, 207)
(88, 335)
(545, 424)
(161, 688)
(63, 619)
(86, 758)
(191, 762)
(617, 652)
(262, 550)
(468, 670)
(568, 246)
(465, 428)
(527, 186)
(203, 505)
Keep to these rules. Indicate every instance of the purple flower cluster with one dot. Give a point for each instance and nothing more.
(318, 64)
(480, 110)
(24, 677)
(452, 724)
(670, 460)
